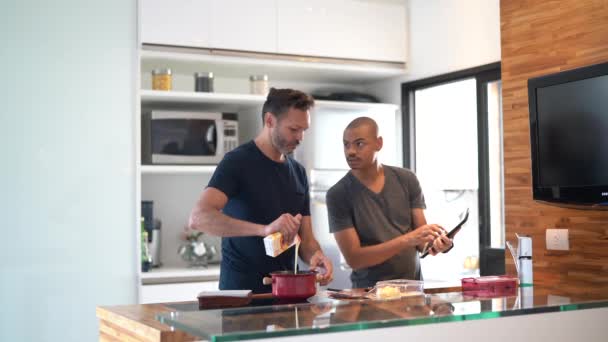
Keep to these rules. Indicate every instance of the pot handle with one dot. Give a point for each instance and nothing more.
(267, 281)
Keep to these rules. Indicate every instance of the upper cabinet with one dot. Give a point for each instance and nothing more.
(244, 25)
(372, 30)
(357, 29)
(176, 22)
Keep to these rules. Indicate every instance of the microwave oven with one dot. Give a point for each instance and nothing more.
(190, 138)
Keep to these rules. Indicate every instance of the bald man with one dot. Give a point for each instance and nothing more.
(376, 213)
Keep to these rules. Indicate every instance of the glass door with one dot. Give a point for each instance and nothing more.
(455, 148)
(491, 195)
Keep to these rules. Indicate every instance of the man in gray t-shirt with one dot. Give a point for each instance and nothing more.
(376, 213)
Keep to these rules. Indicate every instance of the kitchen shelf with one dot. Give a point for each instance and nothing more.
(161, 97)
(176, 169)
(279, 67)
(180, 274)
(155, 97)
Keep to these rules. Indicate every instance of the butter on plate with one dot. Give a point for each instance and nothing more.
(388, 292)
(397, 288)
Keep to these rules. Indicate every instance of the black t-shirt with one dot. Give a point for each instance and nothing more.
(259, 190)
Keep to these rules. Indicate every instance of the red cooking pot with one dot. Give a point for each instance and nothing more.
(290, 285)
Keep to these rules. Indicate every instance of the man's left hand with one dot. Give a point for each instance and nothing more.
(320, 263)
(441, 244)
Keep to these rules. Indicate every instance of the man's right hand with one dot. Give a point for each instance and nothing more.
(287, 224)
(426, 234)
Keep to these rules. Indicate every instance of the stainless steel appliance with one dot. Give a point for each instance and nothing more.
(179, 137)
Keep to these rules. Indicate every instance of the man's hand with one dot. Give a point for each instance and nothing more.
(441, 244)
(287, 224)
(322, 264)
(426, 234)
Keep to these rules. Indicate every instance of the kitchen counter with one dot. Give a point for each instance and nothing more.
(523, 313)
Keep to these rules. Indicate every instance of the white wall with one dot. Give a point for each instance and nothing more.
(67, 178)
(446, 36)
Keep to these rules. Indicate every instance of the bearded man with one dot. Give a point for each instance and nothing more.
(259, 189)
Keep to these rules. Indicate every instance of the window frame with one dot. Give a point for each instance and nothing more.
(492, 260)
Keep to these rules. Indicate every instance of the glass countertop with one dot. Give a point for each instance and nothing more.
(328, 315)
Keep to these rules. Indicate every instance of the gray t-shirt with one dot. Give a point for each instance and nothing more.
(378, 218)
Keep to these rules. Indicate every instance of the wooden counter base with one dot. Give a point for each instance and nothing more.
(137, 323)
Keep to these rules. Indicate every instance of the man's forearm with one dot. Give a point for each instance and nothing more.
(368, 256)
(216, 223)
(308, 249)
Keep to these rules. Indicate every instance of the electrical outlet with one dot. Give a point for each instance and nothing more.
(557, 239)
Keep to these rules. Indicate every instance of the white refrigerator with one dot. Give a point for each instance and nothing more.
(322, 154)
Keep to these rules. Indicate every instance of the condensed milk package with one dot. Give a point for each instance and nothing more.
(275, 245)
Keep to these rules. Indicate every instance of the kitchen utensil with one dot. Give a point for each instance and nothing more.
(228, 298)
(348, 294)
(290, 285)
(366, 293)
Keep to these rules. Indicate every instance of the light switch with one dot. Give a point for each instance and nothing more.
(557, 239)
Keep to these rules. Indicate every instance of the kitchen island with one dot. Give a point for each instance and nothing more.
(527, 313)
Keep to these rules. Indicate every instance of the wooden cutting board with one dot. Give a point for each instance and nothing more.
(227, 299)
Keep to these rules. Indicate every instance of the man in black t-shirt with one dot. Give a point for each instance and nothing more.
(257, 190)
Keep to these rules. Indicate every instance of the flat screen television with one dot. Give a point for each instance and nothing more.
(569, 137)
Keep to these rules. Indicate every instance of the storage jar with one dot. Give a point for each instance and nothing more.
(203, 82)
(161, 79)
(259, 84)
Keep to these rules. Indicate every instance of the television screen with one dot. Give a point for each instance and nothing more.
(569, 135)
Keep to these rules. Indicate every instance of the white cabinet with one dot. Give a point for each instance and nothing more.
(180, 292)
(358, 29)
(175, 22)
(347, 29)
(221, 24)
(244, 25)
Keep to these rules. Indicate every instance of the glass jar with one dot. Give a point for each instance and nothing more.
(161, 79)
(203, 82)
(259, 84)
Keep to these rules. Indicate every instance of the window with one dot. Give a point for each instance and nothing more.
(454, 123)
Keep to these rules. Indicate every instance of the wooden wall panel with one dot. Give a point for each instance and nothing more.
(540, 37)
